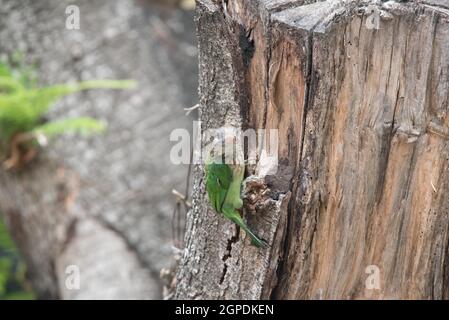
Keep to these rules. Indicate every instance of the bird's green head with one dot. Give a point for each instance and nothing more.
(226, 150)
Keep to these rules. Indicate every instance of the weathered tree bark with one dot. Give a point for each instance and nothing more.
(359, 91)
(102, 204)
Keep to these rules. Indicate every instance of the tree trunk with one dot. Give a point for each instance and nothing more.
(103, 204)
(358, 209)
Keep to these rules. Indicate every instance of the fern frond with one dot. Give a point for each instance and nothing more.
(38, 101)
(23, 106)
(84, 126)
(107, 84)
(21, 110)
(42, 98)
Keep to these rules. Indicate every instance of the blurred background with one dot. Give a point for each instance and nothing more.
(95, 217)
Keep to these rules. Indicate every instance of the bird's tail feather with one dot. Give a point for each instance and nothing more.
(254, 239)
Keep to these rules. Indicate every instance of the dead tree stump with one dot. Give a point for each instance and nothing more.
(359, 206)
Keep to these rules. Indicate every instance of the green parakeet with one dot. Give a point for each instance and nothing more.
(223, 186)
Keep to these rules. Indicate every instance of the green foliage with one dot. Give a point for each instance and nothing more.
(13, 284)
(23, 105)
(84, 126)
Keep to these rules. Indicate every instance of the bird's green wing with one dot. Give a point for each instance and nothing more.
(218, 180)
(233, 197)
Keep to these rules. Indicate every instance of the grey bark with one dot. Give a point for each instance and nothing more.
(361, 107)
(103, 204)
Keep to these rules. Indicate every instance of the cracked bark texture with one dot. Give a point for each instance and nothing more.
(103, 204)
(359, 91)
